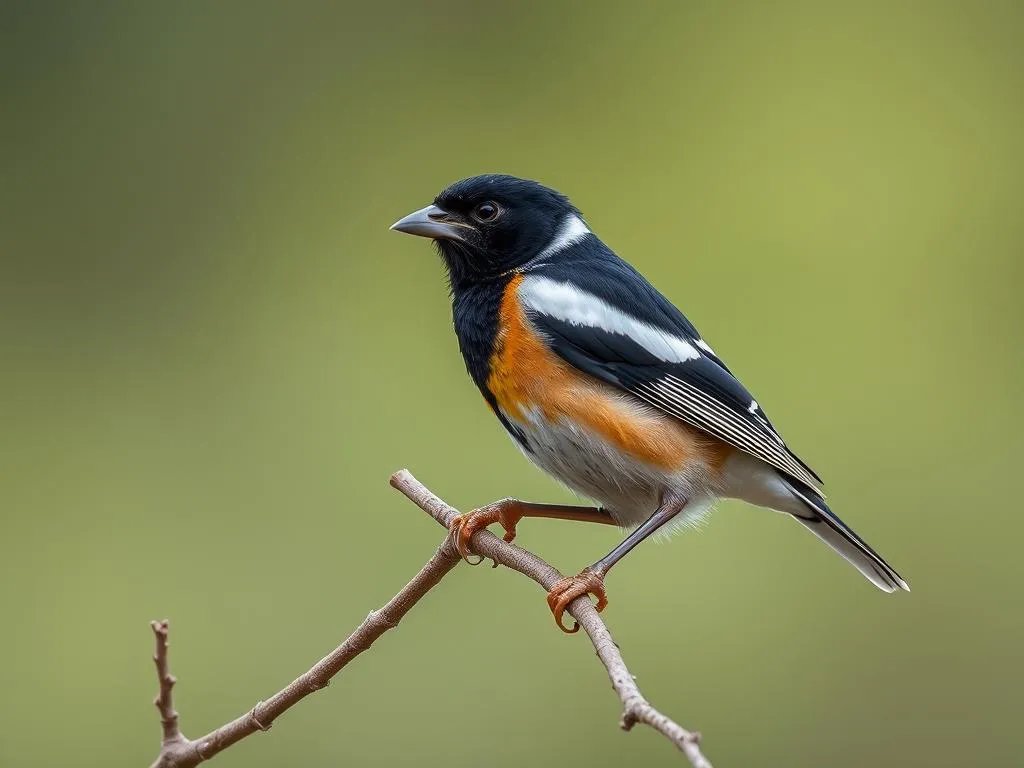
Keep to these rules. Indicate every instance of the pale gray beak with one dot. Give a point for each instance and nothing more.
(434, 222)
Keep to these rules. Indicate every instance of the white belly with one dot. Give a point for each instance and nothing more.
(628, 487)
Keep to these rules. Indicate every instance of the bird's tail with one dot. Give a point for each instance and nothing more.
(823, 523)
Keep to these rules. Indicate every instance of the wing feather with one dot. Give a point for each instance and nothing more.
(654, 357)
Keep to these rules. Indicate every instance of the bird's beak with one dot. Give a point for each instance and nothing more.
(434, 222)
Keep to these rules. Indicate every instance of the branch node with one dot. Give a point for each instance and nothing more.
(255, 720)
(381, 617)
(201, 746)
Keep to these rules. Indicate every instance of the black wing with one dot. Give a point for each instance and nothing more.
(601, 316)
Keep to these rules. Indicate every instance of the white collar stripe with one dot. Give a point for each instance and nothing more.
(566, 302)
(572, 230)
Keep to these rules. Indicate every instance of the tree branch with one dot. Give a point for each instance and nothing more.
(176, 751)
(635, 708)
(164, 702)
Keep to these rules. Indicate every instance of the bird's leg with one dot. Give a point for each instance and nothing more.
(590, 581)
(509, 512)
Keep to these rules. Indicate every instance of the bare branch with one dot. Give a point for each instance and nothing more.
(179, 752)
(164, 702)
(636, 709)
(184, 753)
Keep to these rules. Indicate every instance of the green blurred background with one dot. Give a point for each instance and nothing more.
(213, 353)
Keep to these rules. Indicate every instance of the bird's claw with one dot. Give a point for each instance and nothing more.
(463, 527)
(588, 582)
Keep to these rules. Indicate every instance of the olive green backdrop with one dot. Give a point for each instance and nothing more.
(213, 353)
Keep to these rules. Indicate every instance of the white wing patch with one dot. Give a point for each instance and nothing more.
(566, 302)
(705, 346)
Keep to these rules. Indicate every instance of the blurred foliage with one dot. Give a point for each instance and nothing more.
(213, 353)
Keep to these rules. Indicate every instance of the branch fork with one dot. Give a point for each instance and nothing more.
(177, 751)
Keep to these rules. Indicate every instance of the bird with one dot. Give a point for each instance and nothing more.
(605, 385)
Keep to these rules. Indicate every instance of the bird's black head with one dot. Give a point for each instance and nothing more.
(486, 225)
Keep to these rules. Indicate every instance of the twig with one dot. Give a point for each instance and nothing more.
(164, 701)
(636, 709)
(180, 752)
(176, 751)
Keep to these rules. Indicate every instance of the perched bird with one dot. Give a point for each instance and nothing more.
(604, 384)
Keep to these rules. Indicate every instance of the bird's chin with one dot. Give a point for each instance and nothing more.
(458, 259)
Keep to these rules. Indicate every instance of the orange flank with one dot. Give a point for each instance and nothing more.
(525, 375)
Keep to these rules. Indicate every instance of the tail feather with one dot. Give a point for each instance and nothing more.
(824, 524)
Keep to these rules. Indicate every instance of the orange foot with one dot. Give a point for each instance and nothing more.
(588, 582)
(508, 512)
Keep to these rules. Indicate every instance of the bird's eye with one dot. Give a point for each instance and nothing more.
(487, 211)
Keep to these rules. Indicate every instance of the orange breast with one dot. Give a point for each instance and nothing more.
(526, 375)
